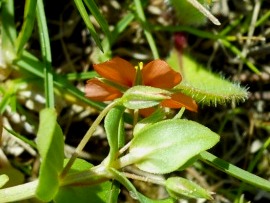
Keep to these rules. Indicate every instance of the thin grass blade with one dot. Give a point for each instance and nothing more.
(92, 6)
(46, 54)
(28, 25)
(89, 25)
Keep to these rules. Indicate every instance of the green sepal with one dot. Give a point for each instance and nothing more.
(140, 97)
(204, 86)
(157, 116)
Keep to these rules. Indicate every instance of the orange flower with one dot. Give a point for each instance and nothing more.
(118, 75)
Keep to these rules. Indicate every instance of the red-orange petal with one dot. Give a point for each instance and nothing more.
(117, 70)
(147, 112)
(159, 74)
(179, 100)
(99, 91)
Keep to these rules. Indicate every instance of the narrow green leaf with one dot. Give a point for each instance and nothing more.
(5, 100)
(85, 193)
(8, 28)
(46, 54)
(89, 25)
(8, 93)
(147, 32)
(239, 54)
(118, 29)
(206, 87)
(7, 38)
(92, 6)
(81, 76)
(235, 171)
(32, 65)
(167, 145)
(28, 25)
(188, 29)
(265, 16)
(121, 26)
(22, 137)
(50, 144)
(111, 124)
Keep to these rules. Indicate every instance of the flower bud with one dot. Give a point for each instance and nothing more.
(182, 188)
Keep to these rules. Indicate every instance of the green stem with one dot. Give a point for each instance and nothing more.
(88, 135)
(125, 161)
(157, 180)
(90, 177)
(19, 192)
(180, 113)
(124, 181)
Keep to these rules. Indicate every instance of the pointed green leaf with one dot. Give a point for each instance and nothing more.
(81, 194)
(206, 87)
(167, 145)
(113, 129)
(50, 144)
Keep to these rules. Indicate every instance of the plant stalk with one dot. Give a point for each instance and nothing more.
(87, 136)
(19, 192)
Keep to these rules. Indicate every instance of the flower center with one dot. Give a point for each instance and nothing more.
(138, 78)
